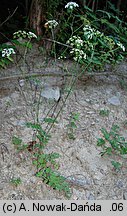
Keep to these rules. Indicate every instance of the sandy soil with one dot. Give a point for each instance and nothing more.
(90, 175)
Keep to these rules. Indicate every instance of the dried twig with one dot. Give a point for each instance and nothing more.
(20, 76)
(3, 149)
(9, 17)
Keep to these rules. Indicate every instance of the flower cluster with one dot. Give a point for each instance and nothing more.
(71, 5)
(51, 24)
(31, 35)
(78, 54)
(7, 52)
(24, 34)
(75, 41)
(62, 57)
(90, 32)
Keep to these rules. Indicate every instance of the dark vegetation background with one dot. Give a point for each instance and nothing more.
(32, 14)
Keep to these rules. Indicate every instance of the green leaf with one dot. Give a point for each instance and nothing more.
(105, 133)
(71, 136)
(75, 116)
(73, 125)
(17, 42)
(33, 126)
(109, 150)
(105, 12)
(39, 174)
(116, 165)
(27, 44)
(100, 142)
(16, 140)
(54, 155)
(2, 64)
(50, 120)
(10, 59)
(123, 150)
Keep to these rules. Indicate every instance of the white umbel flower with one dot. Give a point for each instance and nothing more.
(71, 5)
(31, 35)
(75, 41)
(7, 52)
(24, 34)
(51, 24)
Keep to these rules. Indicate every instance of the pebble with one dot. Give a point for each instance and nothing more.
(114, 101)
(16, 196)
(119, 184)
(90, 196)
(21, 123)
(51, 93)
(125, 196)
(80, 181)
(88, 100)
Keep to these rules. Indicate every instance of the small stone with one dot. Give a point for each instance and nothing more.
(80, 180)
(114, 101)
(125, 196)
(90, 196)
(51, 93)
(21, 123)
(21, 83)
(119, 184)
(88, 100)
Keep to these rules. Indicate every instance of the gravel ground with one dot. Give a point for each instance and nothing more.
(91, 176)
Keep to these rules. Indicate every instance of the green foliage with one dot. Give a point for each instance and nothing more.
(7, 51)
(45, 163)
(123, 84)
(6, 55)
(104, 112)
(42, 136)
(17, 142)
(51, 8)
(113, 143)
(91, 39)
(71, 127)
(116, 165)
(50, 120)
(16, 181)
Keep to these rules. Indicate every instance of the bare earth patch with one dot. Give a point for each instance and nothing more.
(90, 175)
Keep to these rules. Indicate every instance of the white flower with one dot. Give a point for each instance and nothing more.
(121, 46)
(19, 34)
(24, 34)
(62, 57)
(89, 32)
(88, 28)
(78, 54)
(75, 41)
(31, 35)
(51, 24)
(7, 52)
(71, 5)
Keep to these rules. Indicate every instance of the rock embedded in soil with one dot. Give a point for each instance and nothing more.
(125, 196)
(114, 101)
(90, 196)
(80, 181)
(51, 93)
